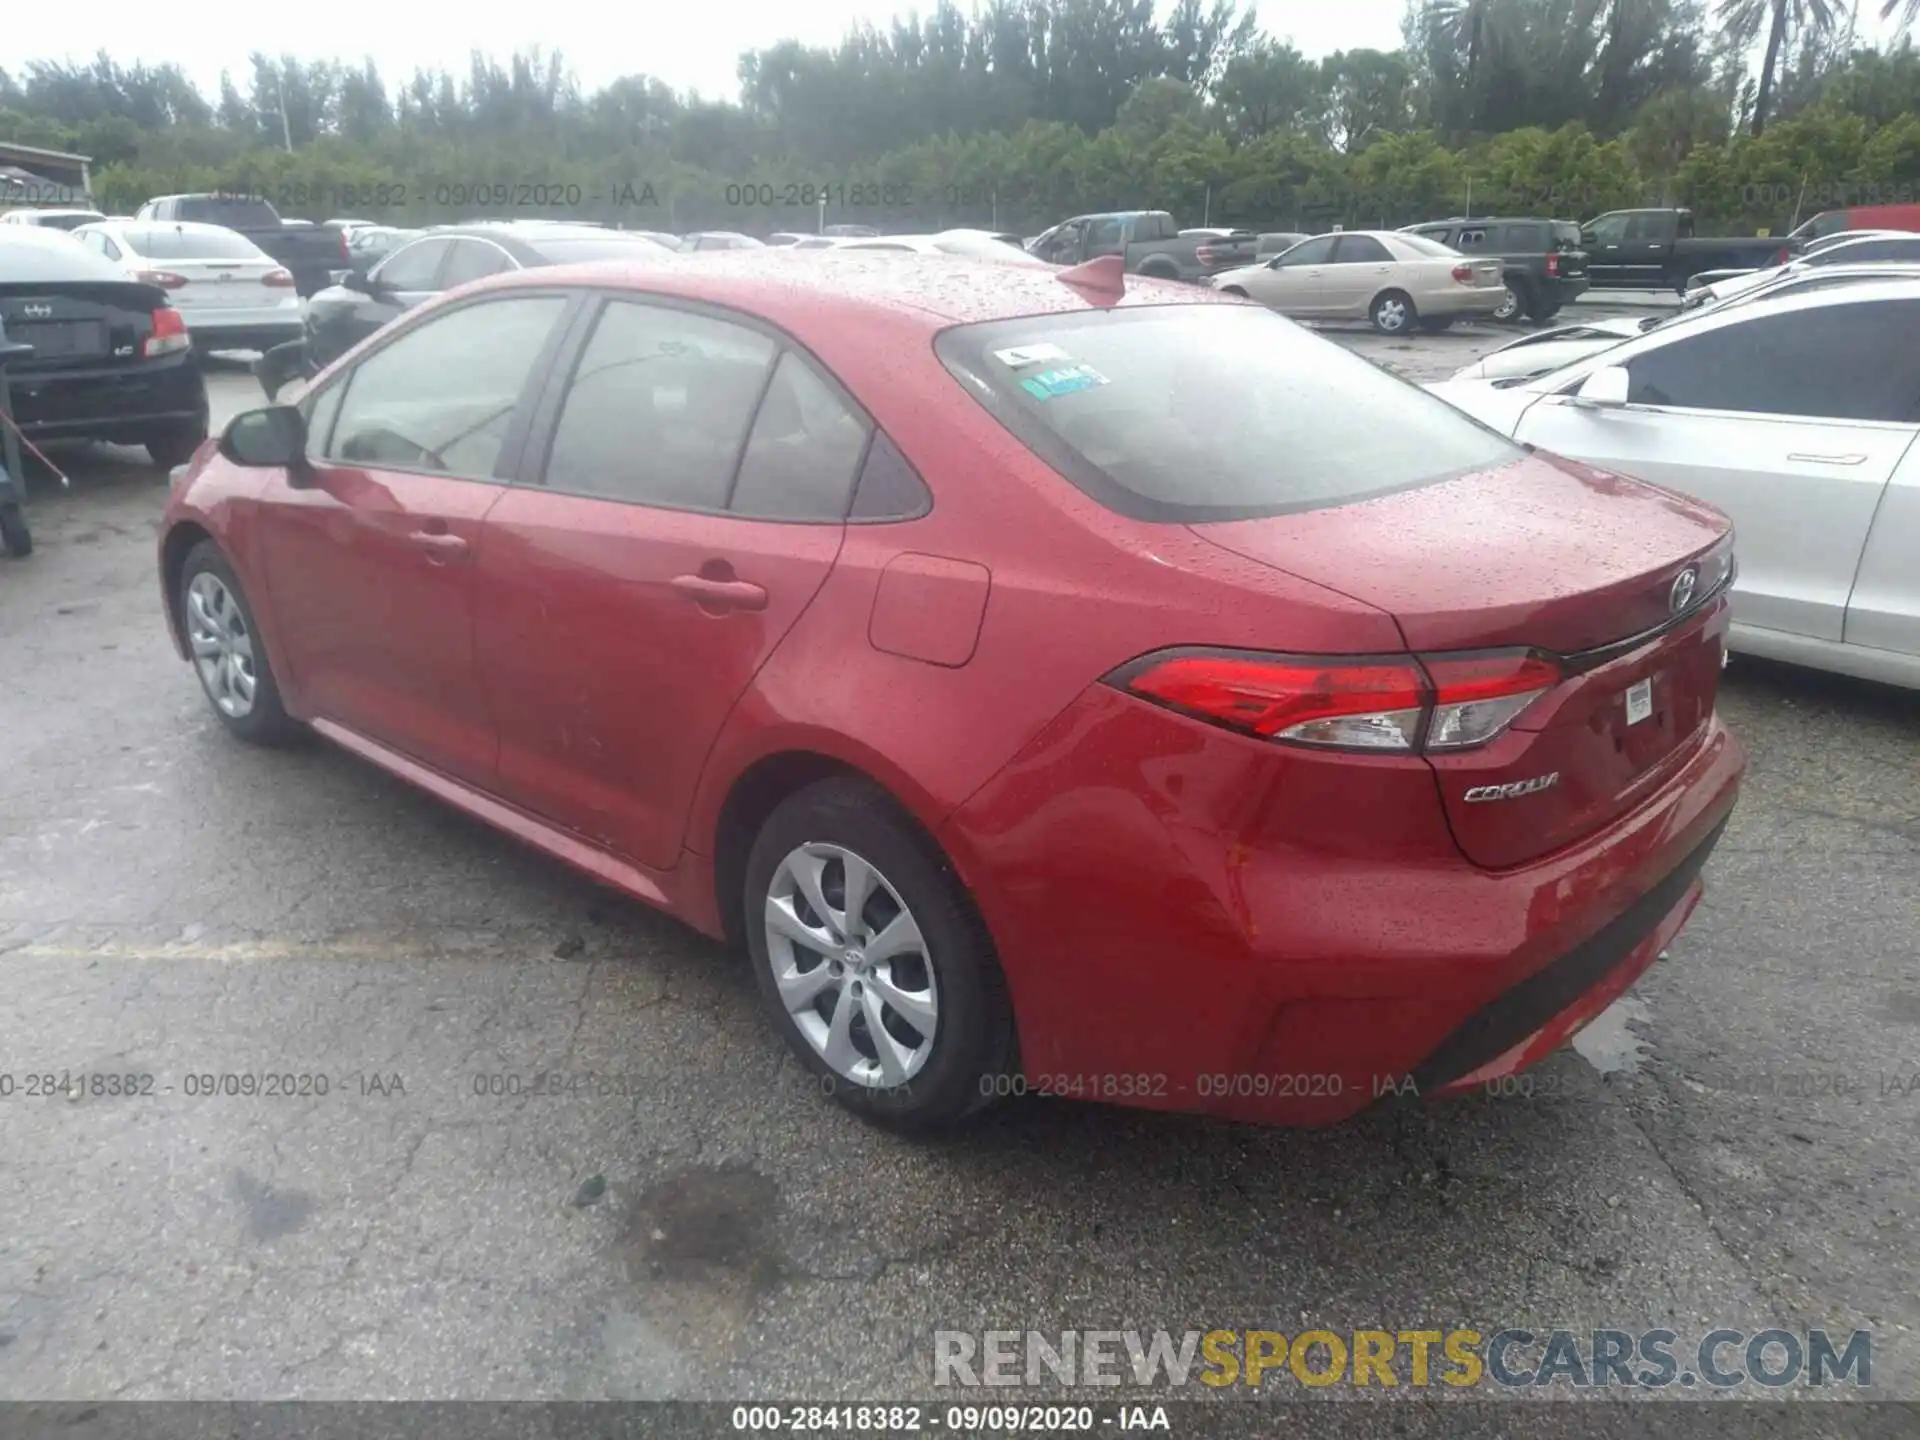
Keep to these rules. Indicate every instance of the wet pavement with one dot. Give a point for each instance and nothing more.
(413, 1212)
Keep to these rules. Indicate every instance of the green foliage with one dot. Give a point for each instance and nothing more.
(1024, 112)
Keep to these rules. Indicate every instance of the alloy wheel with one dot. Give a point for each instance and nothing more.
(851, 966)
(1391, 316)
(1509, 305)
(222, 645)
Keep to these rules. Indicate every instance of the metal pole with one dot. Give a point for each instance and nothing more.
(286, 128)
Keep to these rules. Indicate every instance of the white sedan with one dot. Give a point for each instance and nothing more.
(1798, 417)
(232, 294)
(1396, 281)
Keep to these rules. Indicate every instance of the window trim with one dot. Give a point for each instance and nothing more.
(537, 446)
(513, 444)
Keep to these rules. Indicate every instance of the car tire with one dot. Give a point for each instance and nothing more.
(1516, 302)
(219, 626)
(1234, 290)
(944, 963)
(1393, 313)
(1158, 272)
(14, 533)
(1541, 312)
(175, 446)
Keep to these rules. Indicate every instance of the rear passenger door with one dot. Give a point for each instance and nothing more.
(683, 496)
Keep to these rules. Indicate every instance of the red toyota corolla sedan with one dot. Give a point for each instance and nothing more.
(1113, 692)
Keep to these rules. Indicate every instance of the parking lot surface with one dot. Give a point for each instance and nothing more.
(1731, 1146)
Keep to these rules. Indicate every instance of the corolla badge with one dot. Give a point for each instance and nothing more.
(1684, 584)
(1481, 793)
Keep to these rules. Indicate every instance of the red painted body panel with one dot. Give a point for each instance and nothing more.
(607, 683)
(371, 576)
(1168, 898)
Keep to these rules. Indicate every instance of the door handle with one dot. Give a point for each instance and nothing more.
(1828, 459)
(721, 594)
(439, 545)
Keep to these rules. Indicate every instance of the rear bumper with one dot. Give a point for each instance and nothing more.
(246, 330)
(1155, 960)
(1563, 289)
(1464, 301)
(123, 403)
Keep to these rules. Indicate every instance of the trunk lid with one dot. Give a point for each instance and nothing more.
(78, 323)
(1550, 555)
(223, 284)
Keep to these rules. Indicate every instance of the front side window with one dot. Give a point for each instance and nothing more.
(658, 407)
(1106, 234)
(440, 397)
(1608, 229)
(473, 260)
(1188, 413)
(1837, 362)
(413, 267)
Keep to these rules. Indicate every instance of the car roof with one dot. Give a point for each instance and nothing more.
(802, 291)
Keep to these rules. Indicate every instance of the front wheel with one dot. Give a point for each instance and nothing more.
(1393, 313)
(175, 446)
(228, 654)
(871, 961)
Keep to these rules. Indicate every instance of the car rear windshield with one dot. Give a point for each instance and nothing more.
(1566, 235)
(1427, 245)
(1186, 413)
(170, 242)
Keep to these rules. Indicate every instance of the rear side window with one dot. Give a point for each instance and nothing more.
(1360, 250)
(803, 451)
(1186, 413)
(658, 408)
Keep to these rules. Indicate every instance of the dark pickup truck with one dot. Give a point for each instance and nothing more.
(1657, 250)
(1150, 243)
(312, 252)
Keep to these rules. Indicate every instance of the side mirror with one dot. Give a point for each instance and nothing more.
(274, 436)
(1605, 389)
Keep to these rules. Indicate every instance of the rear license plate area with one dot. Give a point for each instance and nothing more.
(63, 339)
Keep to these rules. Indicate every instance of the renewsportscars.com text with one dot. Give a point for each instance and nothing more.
(1502, 1359)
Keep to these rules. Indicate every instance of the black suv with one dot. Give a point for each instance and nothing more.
(1544, 261)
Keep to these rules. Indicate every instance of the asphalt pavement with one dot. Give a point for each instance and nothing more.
(1733, 1145)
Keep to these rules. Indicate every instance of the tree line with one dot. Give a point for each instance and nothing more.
(1753, 112)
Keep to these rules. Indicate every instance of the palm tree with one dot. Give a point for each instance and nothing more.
(1909, 13)
(1746, 19)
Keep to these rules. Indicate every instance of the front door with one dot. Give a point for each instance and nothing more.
(1294, 283)
(675, 527)
(370, 560)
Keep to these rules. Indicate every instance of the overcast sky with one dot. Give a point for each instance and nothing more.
(689, 46)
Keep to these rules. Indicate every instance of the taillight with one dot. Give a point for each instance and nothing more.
(1784, 255)
(1475, 697)
(279, 279)
(169, 335)
(1463, 273)
(165, 279)
(1204, 254)
(1394, 703)
(1553, 264)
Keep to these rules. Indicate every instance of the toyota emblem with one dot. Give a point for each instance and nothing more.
(1684, 584)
